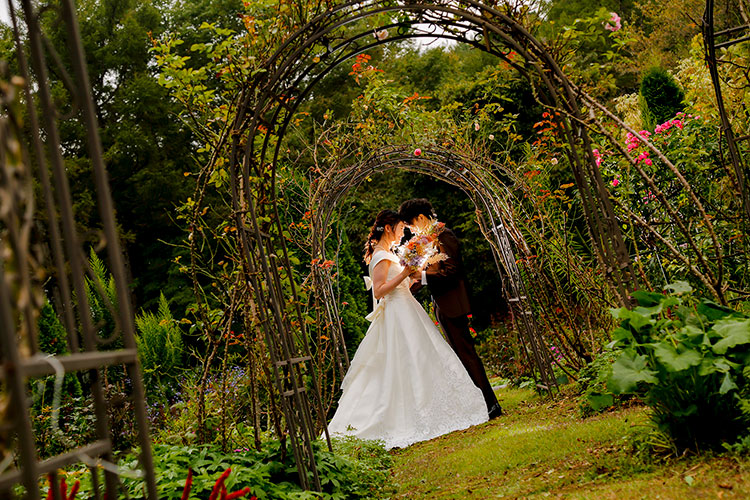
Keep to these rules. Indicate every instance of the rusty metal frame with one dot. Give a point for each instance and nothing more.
(267, 107)
(21, 360)
(491, 197)
(710, 45)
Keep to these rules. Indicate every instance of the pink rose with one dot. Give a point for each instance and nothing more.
(615, 182)
(597, 157)
(614, 23)
(417, 152)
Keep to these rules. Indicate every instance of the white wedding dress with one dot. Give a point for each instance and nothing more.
(405, 384)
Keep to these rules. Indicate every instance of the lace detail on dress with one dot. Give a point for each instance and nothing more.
(435, 420)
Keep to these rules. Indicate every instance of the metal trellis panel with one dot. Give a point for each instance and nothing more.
(21, 360)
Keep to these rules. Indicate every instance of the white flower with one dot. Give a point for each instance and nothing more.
(492, 137)
(553, 161)
(381, 35)
(476, 125)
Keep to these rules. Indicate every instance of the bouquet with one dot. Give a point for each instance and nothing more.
(422, 249)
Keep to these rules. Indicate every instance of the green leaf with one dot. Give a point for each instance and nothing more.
(674, 361)
(713, 311)
(685, 412)
(734, 332)
(679, 287)
(727, 384)
(628, 371)
(600, 401)
(635, 319)
(723, 365)
(619, 313)
(647, 299)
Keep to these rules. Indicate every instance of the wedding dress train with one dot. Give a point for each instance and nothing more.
(405, 384)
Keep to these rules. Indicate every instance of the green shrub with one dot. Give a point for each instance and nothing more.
(75, 426)
(358, 469)
(53, 340)
(101, 293)
(661, 97)
(160, 349)
(740, 447)
(592, 385)
(176, 420)
(500, 352)
(689, 360)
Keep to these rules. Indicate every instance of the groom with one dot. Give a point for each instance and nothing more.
(445, 280)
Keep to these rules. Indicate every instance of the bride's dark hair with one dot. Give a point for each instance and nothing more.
(384, 218)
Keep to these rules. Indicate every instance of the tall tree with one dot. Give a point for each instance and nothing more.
(145, 147)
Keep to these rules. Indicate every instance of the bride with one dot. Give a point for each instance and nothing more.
(405, 384)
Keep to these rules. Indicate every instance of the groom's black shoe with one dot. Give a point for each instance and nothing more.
(495, 411)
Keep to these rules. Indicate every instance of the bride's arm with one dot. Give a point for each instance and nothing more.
(380, 284)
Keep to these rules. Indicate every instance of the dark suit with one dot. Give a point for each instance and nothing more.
(445, 280)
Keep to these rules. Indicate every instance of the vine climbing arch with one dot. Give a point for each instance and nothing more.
(491, 198)
(329, 38)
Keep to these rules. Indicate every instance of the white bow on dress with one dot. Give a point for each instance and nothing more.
(377, 309)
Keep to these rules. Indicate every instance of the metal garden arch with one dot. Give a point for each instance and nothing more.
(267, 107)
(491, 198)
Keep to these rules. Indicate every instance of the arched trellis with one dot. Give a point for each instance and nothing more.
(490, 197)
(735, 35)
(328, 37)
(315, 49)
(268, 105)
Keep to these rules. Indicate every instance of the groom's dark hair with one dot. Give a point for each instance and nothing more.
(411, 209)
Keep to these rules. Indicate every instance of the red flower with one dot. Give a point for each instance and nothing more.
(188, 485)
(219, 491)
(63, 489)
(241, 493)
(219, 484)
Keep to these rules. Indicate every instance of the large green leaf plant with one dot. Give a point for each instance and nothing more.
(689, 360)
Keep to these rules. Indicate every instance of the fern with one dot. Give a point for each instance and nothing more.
(160, 348)
(102, 297)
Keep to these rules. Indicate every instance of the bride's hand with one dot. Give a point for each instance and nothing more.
(405, 273)
(417, 273)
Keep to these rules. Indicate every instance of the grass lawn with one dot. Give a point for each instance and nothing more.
(542, 449)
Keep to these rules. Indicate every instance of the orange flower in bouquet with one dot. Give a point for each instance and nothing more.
(422, 248)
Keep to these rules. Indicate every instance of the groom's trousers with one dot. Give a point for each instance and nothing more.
(459, 337)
